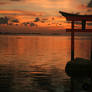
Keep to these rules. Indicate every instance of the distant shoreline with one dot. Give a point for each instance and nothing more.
(47, 34)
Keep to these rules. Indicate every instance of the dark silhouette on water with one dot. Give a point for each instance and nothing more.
(79, 68)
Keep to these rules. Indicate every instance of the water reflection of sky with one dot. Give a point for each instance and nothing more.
(36, 63)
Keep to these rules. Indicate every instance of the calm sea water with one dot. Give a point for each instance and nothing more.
(37, 63)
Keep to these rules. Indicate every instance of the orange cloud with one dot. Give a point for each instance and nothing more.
(45, 21)
(20, 12)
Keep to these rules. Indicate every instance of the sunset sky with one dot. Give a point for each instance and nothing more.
(45, 10)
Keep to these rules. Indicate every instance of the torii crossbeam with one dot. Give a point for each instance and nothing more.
(76, 17)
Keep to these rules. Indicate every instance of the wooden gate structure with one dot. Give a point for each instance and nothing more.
(73, 18)
(83, 19)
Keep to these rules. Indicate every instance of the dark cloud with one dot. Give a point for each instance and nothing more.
(25, 23)
(4, 20)
(90, 4)
(32, 24)
(15, 20)
(36, 19)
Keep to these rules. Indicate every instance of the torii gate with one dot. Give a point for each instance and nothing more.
(73, 18)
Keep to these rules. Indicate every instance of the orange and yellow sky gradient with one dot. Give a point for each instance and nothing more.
(43, 13)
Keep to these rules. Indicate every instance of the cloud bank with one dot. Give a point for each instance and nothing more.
(20, 12)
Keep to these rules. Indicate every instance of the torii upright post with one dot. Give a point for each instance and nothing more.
(72, 41)
(72, 50)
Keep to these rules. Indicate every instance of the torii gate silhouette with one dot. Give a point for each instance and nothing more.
(83, 19)
(73, 18)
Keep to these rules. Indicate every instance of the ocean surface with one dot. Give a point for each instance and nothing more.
(37, 63)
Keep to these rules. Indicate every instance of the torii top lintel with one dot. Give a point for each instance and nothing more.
(76, 17)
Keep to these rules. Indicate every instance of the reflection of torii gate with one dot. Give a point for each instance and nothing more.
(76, 17)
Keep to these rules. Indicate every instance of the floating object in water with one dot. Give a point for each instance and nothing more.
(79, 68)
